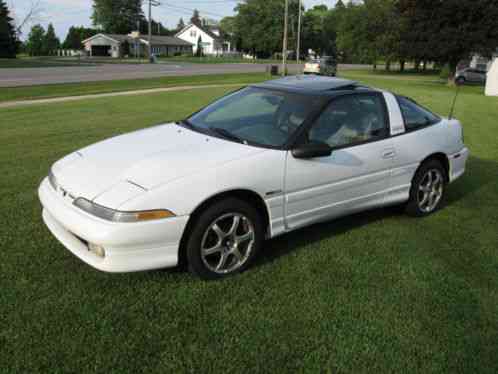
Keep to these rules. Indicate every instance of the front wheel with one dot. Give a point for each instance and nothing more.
(427, 191)
(225, 239)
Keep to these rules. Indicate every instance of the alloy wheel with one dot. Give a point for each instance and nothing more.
(430, 190)
(227, 243)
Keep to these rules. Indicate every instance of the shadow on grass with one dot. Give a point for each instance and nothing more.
(479, 173)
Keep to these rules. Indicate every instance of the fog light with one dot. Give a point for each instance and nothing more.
(97, 250)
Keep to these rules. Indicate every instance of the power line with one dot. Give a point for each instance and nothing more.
(192, 9)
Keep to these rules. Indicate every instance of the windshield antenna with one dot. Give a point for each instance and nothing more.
(452, 110)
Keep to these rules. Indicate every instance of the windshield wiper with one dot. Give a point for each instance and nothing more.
(186, 123)
(227, 134)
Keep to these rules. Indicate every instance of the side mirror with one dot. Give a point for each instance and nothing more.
(312, 150)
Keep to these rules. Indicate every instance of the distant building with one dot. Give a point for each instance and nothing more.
(482, 63)
(111, 45)
(211, 41)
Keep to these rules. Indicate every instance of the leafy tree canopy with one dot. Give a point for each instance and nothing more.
(8, 38)
(76, 35)
(36, 40)
(196, 18)
(50, 41)
(117, 16)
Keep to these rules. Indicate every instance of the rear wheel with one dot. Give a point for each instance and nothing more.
(427, 191)
(225, 239)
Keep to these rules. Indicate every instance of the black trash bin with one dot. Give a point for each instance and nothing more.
(274, 69)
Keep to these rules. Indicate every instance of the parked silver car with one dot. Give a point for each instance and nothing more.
(470, 75)
(325, 65)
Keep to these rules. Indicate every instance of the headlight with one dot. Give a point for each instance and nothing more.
(117, 216)
(52, 180)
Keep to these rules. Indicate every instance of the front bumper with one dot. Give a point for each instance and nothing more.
(128, 246)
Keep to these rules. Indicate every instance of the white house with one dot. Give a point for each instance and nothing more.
(112, 45)
(210, 39)
(483, 63)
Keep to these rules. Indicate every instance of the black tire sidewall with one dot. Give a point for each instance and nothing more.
(413, 207)
(205, 219)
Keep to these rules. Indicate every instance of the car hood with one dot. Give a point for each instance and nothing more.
(146, 158)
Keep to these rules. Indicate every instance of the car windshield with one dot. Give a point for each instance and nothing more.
(255, 116)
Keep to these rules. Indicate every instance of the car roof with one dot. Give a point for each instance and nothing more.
(309, 84)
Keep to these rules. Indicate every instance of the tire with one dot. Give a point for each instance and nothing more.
(427, 190)
(214, 249)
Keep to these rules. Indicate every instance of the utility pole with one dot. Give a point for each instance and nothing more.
(298, 49)
(151, 4)
(284, 49)
(137, 42)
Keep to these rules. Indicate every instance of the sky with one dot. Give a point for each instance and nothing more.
(66, 13)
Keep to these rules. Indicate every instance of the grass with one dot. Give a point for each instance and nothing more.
(375, 292)
(39, 62)
(88, 88)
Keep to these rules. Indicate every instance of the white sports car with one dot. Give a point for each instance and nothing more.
(260, 162)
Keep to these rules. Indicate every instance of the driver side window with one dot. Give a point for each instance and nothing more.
(351, 120)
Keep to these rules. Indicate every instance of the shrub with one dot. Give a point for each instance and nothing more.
(445, 72)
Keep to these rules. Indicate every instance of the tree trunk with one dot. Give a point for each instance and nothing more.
(425, 65)
(388, 65)
(453, 66)
(375, 65)
(402, 64)
(417, 65)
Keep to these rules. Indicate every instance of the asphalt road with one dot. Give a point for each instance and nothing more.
(105, 72)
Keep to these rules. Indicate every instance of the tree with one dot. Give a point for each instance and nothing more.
(199, 52)
(447, 31)
(8, 39)
(384, 32)
(125, 49)
(196, 18)
(228, 30)
(50, 41)
(339, 5)
(117, 16)
(259, 26)
(35, 42)
(318, 32)
(353, 34)
(76, 35)
(181, 25)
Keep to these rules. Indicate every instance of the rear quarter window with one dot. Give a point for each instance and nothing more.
(416, 116)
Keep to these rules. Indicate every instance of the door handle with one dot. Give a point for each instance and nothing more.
(388, 153)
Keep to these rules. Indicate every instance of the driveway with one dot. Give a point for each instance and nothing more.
(106, 72)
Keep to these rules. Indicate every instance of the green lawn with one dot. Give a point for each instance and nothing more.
(377, 292)
(88, 88)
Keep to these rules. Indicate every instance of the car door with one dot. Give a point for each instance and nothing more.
(473, 75)
(355, 176)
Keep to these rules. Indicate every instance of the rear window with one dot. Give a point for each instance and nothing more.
(416, 116)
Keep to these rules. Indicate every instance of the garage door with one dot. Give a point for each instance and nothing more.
(100, 50)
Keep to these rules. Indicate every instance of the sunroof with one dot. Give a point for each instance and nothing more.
(312, 83)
